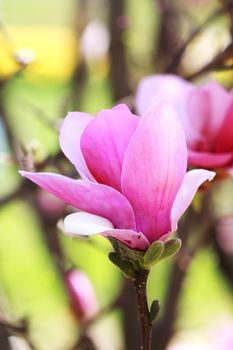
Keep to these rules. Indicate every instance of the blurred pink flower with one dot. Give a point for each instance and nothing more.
(224, 336)
(51, 207)
(134, 186)
(82, 295)
(206, 113)
(217, 337)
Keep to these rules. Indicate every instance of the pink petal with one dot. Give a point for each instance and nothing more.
(192, 180)
(152, 88)
(70, 134)
(104, 143)
(198, 113)
(87, 196)
(220, 100)
(174, 90)
(230, 171)
(224, 142)
(134, 240)
(82, 294)
(88, 225)
(209, 160)
(153, 169)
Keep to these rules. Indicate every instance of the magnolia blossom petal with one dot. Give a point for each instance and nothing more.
(209, 160)
(192, 180)
(91, 197)
(173, 88)
(176, 92)
(86, 224)
(70, 133)
(230, 171)
(224, 142)
(154, 168)
(83, 299)
(89, 224)
(134, 240)
(198, 114)
(220, 100)
(104, 142)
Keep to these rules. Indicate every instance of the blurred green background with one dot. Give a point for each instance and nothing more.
(41, 70)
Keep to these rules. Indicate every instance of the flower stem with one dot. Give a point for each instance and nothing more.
(140, 282)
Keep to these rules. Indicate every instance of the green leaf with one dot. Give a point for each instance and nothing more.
(153, 253)
(125, 266)
(154, 310)
(135, 257)
(171, 247)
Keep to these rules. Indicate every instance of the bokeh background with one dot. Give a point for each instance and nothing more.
(62, 55)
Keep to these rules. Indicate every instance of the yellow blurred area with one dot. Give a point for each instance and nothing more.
(55, 48)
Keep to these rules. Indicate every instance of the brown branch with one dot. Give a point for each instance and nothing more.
(225, 256)
(164, 330)
(4, 343)
(118, 68)
(169, 37)
(79, 75)
(174, 64)
(21, 329)
(85, 343)
(218, 63)
(228, 6)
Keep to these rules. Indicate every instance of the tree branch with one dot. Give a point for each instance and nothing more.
(174, 64)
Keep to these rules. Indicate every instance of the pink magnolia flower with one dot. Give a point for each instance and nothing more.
(82, 295)
(206, 113)
(134, 185)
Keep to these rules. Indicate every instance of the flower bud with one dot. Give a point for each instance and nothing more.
(83, 299)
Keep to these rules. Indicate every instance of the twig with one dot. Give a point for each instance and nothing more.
(79, 75)
(21, 329)
(164, 330)
(173, 66)
(118, 68)
(225, 257)
(216, 64)
(169, 38)
(228, 5)
(4, 343)
(85, 343)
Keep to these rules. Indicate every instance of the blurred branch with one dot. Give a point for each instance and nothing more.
(3, 116)
(21, 329)
(118, 68)
(80, 72)
(4, 343)
(169, 38)
(164, 330)
(174, 64)
(85, 343)
(226, 262)
(224, 248)
(217, 64)
(228, 6)
(126, 302)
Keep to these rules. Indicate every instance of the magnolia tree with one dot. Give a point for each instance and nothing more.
(139, 166)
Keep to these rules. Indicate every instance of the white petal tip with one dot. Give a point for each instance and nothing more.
(84, 224)
(211, 175)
